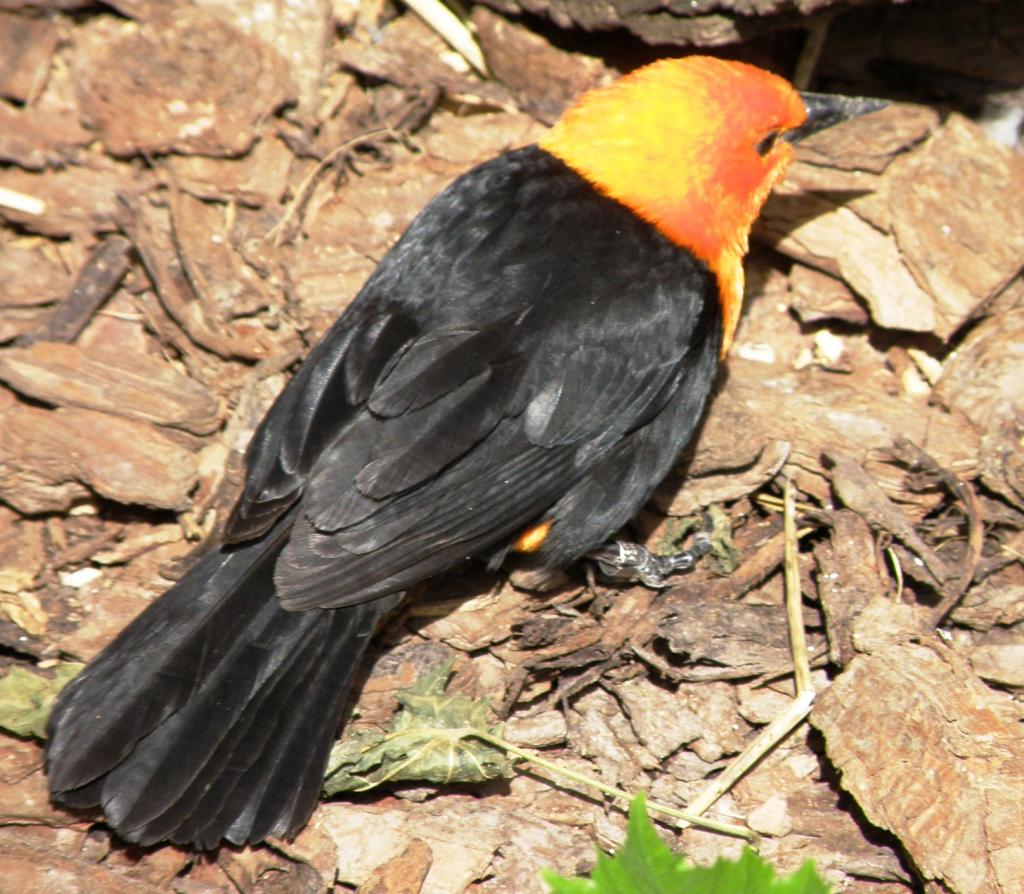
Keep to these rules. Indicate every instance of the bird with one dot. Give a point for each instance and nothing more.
(519, 372)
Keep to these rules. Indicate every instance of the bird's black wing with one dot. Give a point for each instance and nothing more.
(521, 331)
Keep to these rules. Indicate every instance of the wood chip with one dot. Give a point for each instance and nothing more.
(299, 30)
(259, 178)
(1001, 663)
(814, 411)
(823, 234)
(937, 235)
(31, 864)
(37, 138)
(370, 835)
(958, 217)
(31, 275)
(137, 386)
(983, 380)
(816, 296)
(725, 634)
(98, 278)
(696, 490)
(137, 99)
(661, 722)
(47, 457)
(929, 752)
(78, 201)
(872, 142)
(150, 228)
(26, 45)
(858, 491)
(849, 579)
(997, 600)
(554, 77)
(403, 874)
(408, 53)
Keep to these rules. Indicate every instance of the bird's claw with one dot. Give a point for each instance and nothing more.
(630, 561)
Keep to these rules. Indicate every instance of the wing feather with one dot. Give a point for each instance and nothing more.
(521, 330)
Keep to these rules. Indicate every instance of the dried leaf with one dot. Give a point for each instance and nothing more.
(25, 698)
(431, 741)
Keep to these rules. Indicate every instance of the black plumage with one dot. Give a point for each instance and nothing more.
(530, 350)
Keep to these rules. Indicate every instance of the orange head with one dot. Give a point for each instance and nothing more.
(689, 145)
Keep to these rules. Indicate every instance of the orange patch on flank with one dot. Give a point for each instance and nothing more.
(531, 539)
(676, 142)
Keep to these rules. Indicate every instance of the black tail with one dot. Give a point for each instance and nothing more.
(211, 715)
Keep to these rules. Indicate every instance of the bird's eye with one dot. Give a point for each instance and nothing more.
(767, 144)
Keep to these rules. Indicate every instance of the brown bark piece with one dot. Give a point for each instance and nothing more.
(927, 244)
(983, 380)
(369, 835)
(227, 287)
(407, 53)
(998, 600)
(814, 411)
(78, 201)
(848, 580)
(299, 30)
(34, 863)
(816, 297)
(26, 45)
(661, 723)
(23, 794)
(31, 276)
(958, 217)
(929, 752)
(835, 841)
(468, 620)
(856, 489)
(139, 100)
(834, 238)
(403, 874)
(724, 485)
(702, 23)
(36, 137)
(872, 142)
(22, 561)
(47, 455)
(552, 79)
(1001, 661)
(135, 385)
(98, 278)
(257, 179)
(749, 639)
(600, 732)
(19, 322)
(151, 230)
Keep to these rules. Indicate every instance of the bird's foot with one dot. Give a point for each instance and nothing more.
(623, 561)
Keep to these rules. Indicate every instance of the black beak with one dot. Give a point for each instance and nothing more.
(824, 110)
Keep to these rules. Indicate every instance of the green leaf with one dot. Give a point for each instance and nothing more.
(26, 697)
(645, 865)
(432, 740)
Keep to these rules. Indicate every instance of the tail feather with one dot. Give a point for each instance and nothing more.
(232, 784)
(211, 716)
